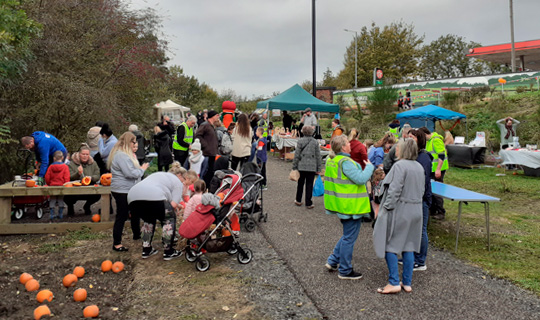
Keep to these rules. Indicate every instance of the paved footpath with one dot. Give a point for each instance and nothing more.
(449, 288)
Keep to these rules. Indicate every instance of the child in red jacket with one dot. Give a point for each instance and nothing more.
(57, 174)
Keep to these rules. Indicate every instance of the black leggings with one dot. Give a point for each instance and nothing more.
(307, 178)
(238, 160)
(122, 214)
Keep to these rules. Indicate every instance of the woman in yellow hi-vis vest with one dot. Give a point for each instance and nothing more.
(345, 194)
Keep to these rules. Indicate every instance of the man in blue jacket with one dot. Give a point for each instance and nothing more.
(44, 145)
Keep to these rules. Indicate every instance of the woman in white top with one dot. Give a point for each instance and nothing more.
(241, 135)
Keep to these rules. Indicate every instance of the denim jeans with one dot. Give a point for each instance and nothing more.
(393, 270)
(343, 251)
(420, 258)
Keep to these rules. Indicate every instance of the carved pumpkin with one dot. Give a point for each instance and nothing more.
(86, 181)
(105, 179)
(44, 295)
(77, 184)
(30, 183)
(79, 295)
(91, 311)
(41, 311)
(68, 185)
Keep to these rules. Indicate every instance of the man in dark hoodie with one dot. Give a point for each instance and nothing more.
(206, 134)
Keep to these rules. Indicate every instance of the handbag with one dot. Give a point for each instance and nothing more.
(294, 175)
(318, 188)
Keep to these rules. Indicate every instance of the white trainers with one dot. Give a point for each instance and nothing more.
(418, 267)
(173, 255)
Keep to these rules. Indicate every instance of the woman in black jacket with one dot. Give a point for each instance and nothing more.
(162, 146)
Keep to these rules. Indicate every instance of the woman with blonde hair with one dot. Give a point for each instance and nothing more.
(242, 135)
(126, 172)
(157, 198)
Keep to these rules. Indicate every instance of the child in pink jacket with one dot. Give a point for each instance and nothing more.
(200, 188)
(57, 174)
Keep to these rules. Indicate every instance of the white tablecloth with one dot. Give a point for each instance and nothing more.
(284, 142)
(527, 158)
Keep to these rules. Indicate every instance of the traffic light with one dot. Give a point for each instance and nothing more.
(378, 77)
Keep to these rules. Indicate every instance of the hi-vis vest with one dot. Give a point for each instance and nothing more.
(395, 132)
(341, 195)
(265, 127)
(188, 138)
(435, 152)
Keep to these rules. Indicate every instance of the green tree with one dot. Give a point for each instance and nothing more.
(394, 48)
(16, 32)
(381, 101)
(446, 58)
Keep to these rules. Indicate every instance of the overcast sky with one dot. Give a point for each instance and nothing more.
(257, 47)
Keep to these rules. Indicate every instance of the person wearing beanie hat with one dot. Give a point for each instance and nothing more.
(196, 160)
(206, 134)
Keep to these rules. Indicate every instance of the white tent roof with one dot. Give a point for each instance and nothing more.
(169, 104)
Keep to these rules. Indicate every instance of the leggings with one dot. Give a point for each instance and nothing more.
(150, 211)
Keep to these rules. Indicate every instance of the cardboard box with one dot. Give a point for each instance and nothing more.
(289, 156)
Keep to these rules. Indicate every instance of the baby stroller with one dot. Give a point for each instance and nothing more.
(220, 238)
(253, 197)
(20, 205)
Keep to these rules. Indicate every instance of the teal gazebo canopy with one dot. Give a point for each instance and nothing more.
(297, 99)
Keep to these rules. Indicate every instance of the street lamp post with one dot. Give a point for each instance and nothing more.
(355, 56)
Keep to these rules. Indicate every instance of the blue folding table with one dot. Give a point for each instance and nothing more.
(463, 195)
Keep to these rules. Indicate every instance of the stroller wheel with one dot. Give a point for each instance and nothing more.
(203, 264)
(250, 225)
(18, 213)
(232, 250)
(190, 255)
(39, 213)
(245, 258)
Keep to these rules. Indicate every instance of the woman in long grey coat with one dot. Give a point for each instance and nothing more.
(398, 229)
(307, 160)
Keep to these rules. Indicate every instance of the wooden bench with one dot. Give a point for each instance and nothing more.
(8, 192)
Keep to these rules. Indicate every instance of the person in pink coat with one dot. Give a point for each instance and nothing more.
(200, 188)
(57, 174)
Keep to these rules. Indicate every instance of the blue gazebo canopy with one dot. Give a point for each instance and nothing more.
(426, 116)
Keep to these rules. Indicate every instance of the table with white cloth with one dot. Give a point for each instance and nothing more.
(285, 142)
(529, 160)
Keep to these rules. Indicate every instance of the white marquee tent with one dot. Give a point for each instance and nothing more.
(171, 109)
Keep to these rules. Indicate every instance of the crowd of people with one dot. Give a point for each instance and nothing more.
(187, 157)
(387, 182)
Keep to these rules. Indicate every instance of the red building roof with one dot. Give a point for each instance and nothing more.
(501, 53)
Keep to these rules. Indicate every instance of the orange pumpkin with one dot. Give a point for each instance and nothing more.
(106, 266)
(44, 295)
(68, 185)
(78, 271)
(25, 277)
(105, 179)
(225, 232)
(96, 218)
(86, 181)
(77, 184)
(32, 285)
(118, 266)
(91, 311)
(41, 311)
(69, 280)
(30, 183)
(79, 295)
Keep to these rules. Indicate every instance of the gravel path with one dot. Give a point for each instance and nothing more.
(291, 282)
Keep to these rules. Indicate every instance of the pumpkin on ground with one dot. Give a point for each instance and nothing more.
(105, 179)
(79, 295)
(44, 295)
(32, 285)
(69, 280)
(86, 181)
(41, 311)
(106, 266)
(118, 266)
(78, 271)
(25, 277)
(96, 218)
(91, 311)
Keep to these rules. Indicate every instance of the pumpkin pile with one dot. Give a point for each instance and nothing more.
(70, 280)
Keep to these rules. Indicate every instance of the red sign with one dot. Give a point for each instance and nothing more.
(379, 74)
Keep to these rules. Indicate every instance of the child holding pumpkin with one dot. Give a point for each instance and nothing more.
(57, 174)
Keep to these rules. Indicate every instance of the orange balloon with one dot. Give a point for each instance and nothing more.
(69, 280)
(41, 311)
(91, 311)
(118, 266)
(25, 277)
(78, 271)
(106, 266)
(96, 218)
(79, 295)
(44, 295)
(32, 285)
